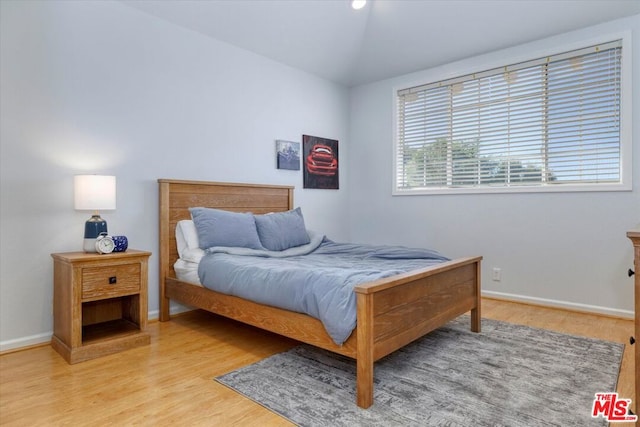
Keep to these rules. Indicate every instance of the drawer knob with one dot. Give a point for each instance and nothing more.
(632, 340)
(113, 280)
(631, 272)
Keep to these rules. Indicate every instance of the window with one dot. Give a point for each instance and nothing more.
(546, 124)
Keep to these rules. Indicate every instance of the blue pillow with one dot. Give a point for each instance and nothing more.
(282, 230)
(223, 228)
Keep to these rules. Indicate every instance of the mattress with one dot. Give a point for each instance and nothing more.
(189, 252)
(187, 271)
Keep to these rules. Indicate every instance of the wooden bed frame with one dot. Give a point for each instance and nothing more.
(391, 312)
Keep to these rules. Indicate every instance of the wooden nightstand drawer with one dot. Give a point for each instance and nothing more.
(110, 281)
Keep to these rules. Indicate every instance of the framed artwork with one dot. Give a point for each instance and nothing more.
(288, 155)
(320, 159)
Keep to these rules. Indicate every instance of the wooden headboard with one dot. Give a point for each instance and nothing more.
(177, 196)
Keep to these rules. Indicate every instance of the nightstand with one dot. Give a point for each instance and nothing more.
(99, 303)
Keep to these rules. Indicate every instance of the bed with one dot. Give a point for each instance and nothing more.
(391, 312)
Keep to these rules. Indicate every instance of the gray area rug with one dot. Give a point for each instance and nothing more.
(508, 375)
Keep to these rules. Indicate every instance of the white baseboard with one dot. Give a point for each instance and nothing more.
(584, 308)
(175, 309)
(23, 342)
(43, 338)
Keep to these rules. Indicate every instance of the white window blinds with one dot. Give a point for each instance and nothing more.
(545, 122)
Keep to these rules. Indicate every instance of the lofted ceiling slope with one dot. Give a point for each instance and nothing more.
(385, 39)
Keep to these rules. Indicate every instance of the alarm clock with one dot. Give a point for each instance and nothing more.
(104, 244)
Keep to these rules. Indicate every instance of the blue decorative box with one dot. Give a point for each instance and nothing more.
(120, 243)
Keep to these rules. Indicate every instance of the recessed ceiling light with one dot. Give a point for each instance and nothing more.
(358, 4)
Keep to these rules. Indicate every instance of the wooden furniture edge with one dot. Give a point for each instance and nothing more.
(163, 252)
(165, 231)
(84, 257)
(634, 236)
(225, 184)
(388, 282)
(71, 297)
(298, 326)
(365, 344)
(384, 328)
(100, 349)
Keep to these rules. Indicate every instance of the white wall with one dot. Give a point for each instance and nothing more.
(98, 87)
(568, 249)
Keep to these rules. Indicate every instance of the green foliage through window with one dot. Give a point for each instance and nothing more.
(429, 163)
(545, 122)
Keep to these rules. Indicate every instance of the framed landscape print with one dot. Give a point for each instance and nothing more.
(320, 160)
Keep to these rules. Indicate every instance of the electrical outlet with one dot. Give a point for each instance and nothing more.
(497, 274)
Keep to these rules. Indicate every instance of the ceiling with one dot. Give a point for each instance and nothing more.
(385, 39)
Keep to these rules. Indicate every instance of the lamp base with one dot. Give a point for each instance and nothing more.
(92, 229)
(89, 246)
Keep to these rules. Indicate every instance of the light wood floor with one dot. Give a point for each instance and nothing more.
(170, 382)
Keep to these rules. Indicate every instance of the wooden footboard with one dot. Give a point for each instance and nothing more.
(391, 312)
(395, 311)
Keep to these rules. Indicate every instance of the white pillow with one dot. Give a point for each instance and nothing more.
(187, 241)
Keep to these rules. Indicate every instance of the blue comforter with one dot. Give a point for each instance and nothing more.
(316, 279)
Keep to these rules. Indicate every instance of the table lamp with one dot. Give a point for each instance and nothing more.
(95, 193)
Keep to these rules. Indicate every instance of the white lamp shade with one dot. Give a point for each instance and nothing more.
(94, 192)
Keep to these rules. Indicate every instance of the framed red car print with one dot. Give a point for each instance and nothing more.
(320, 158)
